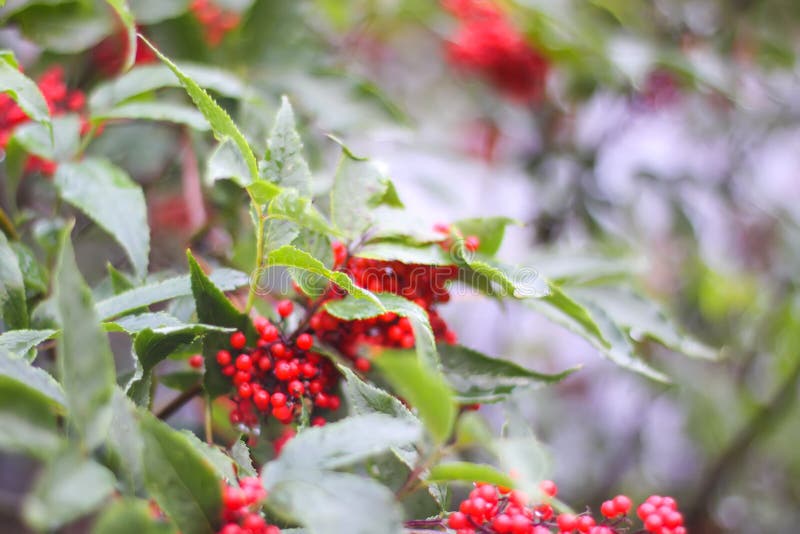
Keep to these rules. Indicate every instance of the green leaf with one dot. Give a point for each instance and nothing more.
(593, 324)
(182, 481)
(284, 163)
(22, 90)
(151, 11)
(34, 274)
(180, 380)
(351, 309)
(57, 141)
(289, 256)
(346, 442)
(406, 253)
(215, 309)
(179, 286)
(221, 462)
(319, 246)
(147, 78)
(358, 187)
(226, 162)
(13, 306)
(99, 188)
(70, 487)
(490, 231)
(129, 22)
(153, 346)
(468, 472)
(334, 503)
(68, 28)
(221, 123)
(133, 324)
(240, 453)
(364, 398)
(643, 318)
(21, 343)
(157, 111)
(423, 388)
(125, 443)
(85, 362)
(519, 452)
(290, 206)
(476, 377)
(27, 420)
(19, 370)
(130, 516)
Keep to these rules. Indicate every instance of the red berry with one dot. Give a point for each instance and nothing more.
(296, 388)
(318, 421)
(608, 509)
(672, 519)
(264, 363)
(282, 413)
(333, 402)
(196, 361)
(278, 350)
(622, 504)
(241, 377)
(518, 497)
(243, 362)
(304, 341)
(285, 308)
(584, 523)
(223, 357)
(278, 399)
(269, 333)
(653, 523)
(283, 371)
(502, 523)
(261, 400)
(520, 524)
(363, 365)
(472, 243)
(238, 341)
(645, 509)
(457, 520)
(566, 522)
(549, 487)
(228, 370)
(233, 498)
(545, 511)
(245, 390)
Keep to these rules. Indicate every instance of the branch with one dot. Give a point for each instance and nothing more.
(7, 226)
(177, 403)
(757, 426)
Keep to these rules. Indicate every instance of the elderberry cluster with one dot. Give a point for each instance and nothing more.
(277, 375)
(60, 100)
(216, 21)
(487, 44)
(240, 514)
(494, 509)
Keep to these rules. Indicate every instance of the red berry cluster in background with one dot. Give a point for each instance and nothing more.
(424, 285)
(493, 509)
(216, 21)
(240, 514)
(109, 55)
(277, 375)
(487, 44)
(60, 100)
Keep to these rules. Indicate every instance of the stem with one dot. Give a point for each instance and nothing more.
(424, 523)
(758, 425)
(7, 226)
(208, 427)
(411, 483)
(251, 295)
(177, 403)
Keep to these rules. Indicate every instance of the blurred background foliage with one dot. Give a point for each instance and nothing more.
(662, 149)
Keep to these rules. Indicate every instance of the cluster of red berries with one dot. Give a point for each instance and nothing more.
(487, 44)
(240, 513)
(277, 375)
(109, 54)
(425, 285)
(60, 100)
(494, 509)
(216, 21)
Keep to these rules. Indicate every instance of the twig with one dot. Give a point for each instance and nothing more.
(758, 425)
(7, 226)
(177, 403)
(208, 426)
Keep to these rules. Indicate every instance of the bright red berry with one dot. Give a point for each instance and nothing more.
(567, 522)
(261, 400)
(245, 390)
(238, 340)
(585, 523)
(196, 361)
(622, 504)
(304, 341)
(296, 388)
(653, 523)
(223, 357)
(278, 350)
(285, 308)
(244, 362)
(472, 243)
(457, 520)
(608, 509)
(549, 488)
